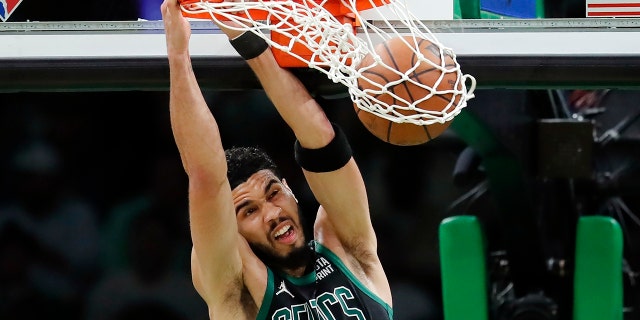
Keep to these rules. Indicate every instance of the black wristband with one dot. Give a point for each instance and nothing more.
(249, 45)
(331, 157)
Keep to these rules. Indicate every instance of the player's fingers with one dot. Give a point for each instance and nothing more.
(165, 8)
(173, 3)
(170, 6)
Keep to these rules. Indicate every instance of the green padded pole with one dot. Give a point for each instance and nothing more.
(466, 9)
(463, 269)
(540, 9)
(598, 288)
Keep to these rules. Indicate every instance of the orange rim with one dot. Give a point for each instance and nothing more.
(335, 7)
(343, 13)
(187, 4)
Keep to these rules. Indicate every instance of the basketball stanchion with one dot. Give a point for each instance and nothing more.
(598, 279)
(405, 85)
(463, 264)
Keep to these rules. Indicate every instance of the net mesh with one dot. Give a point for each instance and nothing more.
(332, 37)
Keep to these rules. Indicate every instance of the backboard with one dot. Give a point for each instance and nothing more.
(422, 9)
(500, 53)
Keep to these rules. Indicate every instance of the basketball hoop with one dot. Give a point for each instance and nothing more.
(323, 35)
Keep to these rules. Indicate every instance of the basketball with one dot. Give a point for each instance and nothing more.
(401, 57)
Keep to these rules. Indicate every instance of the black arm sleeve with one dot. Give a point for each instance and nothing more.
(331, 157)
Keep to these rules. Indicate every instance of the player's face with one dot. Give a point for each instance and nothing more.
(267, 215)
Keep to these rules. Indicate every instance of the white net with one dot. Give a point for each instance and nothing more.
(314, 34)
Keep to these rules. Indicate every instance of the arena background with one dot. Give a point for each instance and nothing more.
(93, 221)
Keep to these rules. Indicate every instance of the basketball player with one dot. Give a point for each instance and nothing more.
(250, 258)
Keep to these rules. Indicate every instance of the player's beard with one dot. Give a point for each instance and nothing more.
(298, 257)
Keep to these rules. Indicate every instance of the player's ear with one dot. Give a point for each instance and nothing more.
(286, 186)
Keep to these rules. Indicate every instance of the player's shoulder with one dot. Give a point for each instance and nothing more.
(347, 249)
(237, 303)
(228, 299)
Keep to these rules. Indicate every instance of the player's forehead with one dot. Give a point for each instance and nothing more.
(255, 185)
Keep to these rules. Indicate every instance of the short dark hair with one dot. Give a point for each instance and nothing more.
(242, 162)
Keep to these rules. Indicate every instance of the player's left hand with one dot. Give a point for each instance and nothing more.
(177, 28)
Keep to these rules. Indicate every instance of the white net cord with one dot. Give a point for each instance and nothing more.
(337, 51)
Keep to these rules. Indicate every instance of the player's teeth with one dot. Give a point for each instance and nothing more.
(282, 231)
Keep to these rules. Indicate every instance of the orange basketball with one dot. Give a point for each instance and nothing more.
(399, 56)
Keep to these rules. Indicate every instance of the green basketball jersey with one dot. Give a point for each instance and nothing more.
(330, 292)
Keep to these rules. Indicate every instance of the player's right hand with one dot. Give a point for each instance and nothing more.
(176, 26)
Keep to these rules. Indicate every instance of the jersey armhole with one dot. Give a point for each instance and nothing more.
(268, 296)
(334, 258)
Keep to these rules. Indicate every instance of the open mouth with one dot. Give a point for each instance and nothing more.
(285, 234)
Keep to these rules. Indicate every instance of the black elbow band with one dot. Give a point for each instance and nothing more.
(249, 45)
(331, 157)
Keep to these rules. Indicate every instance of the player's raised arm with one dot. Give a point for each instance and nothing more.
(343, 223)
(212, 216)
(322, 150)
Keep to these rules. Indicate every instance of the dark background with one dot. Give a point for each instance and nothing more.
(93, 212)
